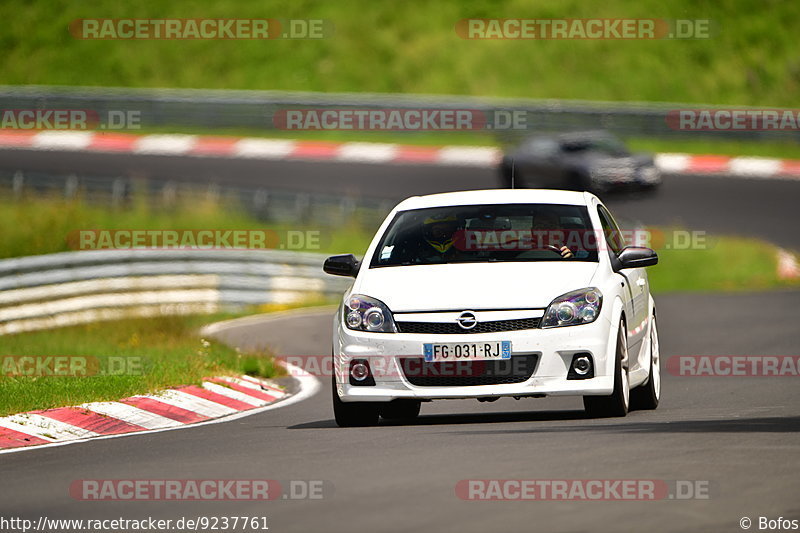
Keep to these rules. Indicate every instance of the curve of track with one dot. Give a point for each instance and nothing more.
(738, 434)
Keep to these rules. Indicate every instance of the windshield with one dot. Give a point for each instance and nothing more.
(481, 233)
(606, 145)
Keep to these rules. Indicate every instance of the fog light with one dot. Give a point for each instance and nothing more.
(359, 371)
(582, 365)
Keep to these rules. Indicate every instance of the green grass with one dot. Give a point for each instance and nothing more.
(726, 264)
(46, 224)
(412, 47)
(717, 146)
(161, 352)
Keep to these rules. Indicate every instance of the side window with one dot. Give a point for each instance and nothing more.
(611, 231)
(544, 147)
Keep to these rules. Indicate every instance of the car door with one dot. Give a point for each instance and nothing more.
(637, 290)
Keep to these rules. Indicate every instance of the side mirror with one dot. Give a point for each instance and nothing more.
(636, 257)
(342, 265)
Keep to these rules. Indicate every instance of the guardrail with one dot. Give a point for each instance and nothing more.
(68, 288)
(275, 205)
(215, 109)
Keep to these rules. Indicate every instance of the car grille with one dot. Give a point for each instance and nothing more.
(468, 373)
(452, 328)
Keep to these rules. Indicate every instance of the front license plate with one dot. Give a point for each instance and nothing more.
(467, 351)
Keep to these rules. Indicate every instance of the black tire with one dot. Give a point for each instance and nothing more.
(400, 410)
(618, 403)
(646, 397)
(353, 414)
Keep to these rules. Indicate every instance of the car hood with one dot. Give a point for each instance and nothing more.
(510, 285)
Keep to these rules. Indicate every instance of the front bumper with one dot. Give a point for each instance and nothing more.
(644, 176)
(554, 349)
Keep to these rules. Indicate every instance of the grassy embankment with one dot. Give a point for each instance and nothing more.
(412, 47)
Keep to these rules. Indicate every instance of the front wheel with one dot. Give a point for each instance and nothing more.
(646, 396)
(618, 403)
(353, 414)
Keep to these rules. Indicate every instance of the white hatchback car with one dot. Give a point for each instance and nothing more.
(485, 294)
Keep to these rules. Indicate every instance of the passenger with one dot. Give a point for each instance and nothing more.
(547, 232)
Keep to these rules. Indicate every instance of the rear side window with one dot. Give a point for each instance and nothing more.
(543, 147)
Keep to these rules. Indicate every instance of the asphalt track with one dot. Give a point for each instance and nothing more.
(714, 204)
(738, 434)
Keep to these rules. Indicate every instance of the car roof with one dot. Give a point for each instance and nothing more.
(585, 135)
(497, 196)
(572, 136)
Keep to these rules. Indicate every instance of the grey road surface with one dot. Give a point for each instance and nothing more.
(737, 436)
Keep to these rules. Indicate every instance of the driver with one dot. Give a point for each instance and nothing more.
(439, 233)
(546, 231)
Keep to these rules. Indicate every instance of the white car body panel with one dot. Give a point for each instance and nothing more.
(509, 285)
(497, 291)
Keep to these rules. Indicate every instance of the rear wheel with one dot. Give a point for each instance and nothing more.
(647, 395)
(619, 402)
(353, 414)
(400, 410)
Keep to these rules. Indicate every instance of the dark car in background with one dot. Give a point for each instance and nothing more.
(591, 161)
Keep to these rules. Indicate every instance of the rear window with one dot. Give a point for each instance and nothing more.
(483, 233)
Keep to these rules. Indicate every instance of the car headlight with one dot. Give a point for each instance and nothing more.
(574, 308)
(363, 313)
